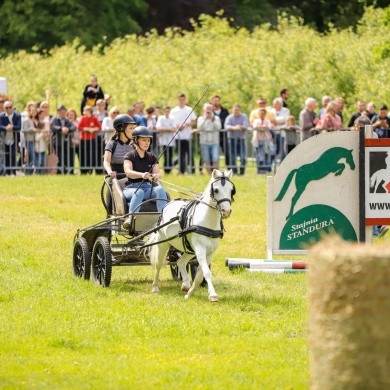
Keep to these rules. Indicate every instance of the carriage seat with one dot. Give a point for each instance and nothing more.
(120, 205)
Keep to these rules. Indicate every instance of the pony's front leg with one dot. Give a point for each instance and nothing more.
(182, 263)
(204, 262)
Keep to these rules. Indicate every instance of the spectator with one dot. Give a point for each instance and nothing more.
(29, 128)
(381, 122)
(324, 101)
(107, 100)
(151, 121)
(100, 112)
(307, 118)
(61, 129)
(2, 105)
(281, 113)
(92, 92)
(185, 118)
(139, 116)
(156, 111)
(108, 124)
(222, 113)
(75, 136)
(340, 107)
(363, 121)
(291, 130)
(88, 126)
(330, 120)
(41, 141)
(371, 110)
(166, 128)
(263, 142)
(237, 125)
(262, 103)
(209, 126)
(361, 105)
(284, 94)
(10, 126)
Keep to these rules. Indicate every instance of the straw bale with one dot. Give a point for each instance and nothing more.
(349, 315)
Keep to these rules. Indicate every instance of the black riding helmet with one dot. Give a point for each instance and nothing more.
(142, 132)
(121, 121)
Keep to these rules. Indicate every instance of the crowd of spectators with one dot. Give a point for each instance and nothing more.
(34, 142)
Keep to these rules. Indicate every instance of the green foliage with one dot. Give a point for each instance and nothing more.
(237, 64)
(42, 25)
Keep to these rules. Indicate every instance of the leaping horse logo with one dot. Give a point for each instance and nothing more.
(327, 163)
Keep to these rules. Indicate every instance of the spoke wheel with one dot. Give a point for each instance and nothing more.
(81, 259)
(102, 262)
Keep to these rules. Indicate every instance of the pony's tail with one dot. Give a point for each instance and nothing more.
(286, 185)
(151, 252)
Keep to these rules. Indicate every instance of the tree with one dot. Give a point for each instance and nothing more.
(39, 24)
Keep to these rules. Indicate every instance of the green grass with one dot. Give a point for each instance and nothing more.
(63, 333)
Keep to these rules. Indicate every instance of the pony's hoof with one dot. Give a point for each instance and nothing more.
(185, 288)
(186, 296)
(155, 290)
(213, 298)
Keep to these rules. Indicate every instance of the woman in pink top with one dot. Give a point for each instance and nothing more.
(330, 120)
(262, 142)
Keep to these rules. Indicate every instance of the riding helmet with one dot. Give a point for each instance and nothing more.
(121, 121)
(142, 131)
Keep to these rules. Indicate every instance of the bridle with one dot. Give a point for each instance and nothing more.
(223, 179)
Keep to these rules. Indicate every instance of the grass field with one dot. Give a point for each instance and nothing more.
(58, 332)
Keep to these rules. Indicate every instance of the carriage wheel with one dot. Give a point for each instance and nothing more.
(194, 269)
(81, 259)
(102, 262)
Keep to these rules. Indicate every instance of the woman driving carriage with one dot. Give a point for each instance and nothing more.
(142, 170)
(119, 145)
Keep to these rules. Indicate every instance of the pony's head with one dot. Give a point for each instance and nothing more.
(222, 191)
(349, 159)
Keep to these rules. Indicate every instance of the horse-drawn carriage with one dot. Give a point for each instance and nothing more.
(151, 237)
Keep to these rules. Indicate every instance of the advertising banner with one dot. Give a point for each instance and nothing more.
(377, 174)
(315, 192)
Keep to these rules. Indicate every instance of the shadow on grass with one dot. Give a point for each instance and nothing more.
(229, 294)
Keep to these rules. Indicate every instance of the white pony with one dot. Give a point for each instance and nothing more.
(194, 228)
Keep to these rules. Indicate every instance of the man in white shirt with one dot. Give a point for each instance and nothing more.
(281, 114)
(166, 127)
(185, 118)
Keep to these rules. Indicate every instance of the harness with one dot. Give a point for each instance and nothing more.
(185, 221)
(185, 218)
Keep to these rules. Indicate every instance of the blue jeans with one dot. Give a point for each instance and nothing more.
(279, 141)
(237, 148)
(210, 154)
(30, 157)
(40, 162)
(263, 158)
(136, 194)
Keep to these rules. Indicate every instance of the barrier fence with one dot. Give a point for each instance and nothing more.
(69, 155)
